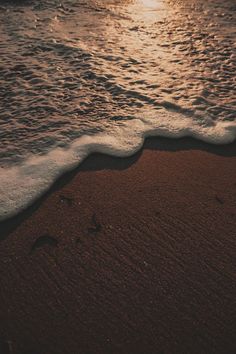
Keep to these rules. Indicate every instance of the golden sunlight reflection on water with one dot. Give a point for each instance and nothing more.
(147, 11)
(150, 3)
(84, 64)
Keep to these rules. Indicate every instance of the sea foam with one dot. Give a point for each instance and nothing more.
(21, 185)
(101, 76)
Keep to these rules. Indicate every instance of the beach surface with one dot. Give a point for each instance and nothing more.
(132, 255)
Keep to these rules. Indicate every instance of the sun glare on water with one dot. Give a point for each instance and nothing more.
(148, 10)
(152, 4)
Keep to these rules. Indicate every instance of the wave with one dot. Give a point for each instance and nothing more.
(22, 184)
(138, 71)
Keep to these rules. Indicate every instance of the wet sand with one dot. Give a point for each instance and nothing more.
(132, 255)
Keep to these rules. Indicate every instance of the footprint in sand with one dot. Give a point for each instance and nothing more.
(42, 241)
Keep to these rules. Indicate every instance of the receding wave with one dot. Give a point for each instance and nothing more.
(21, 185)
(80, 77)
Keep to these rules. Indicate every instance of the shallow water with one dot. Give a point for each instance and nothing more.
(82, 76)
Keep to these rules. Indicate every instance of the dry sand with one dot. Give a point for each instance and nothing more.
(131, 255)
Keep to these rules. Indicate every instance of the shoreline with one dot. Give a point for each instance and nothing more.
(126, 255)
(158, 143)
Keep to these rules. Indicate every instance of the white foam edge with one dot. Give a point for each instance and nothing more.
(23, 184)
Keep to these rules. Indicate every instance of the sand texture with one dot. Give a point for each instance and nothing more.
(131, 255)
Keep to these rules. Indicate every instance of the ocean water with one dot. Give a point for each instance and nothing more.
(79, 76)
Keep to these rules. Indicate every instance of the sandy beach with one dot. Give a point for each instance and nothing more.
(133, 255)
(122, 255)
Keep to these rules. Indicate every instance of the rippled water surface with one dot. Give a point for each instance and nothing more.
(80, 67)
(82, 75)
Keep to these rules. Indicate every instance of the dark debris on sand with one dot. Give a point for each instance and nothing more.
(96, 225)
(67, 200)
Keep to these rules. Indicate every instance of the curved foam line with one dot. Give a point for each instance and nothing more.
(21, 185)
